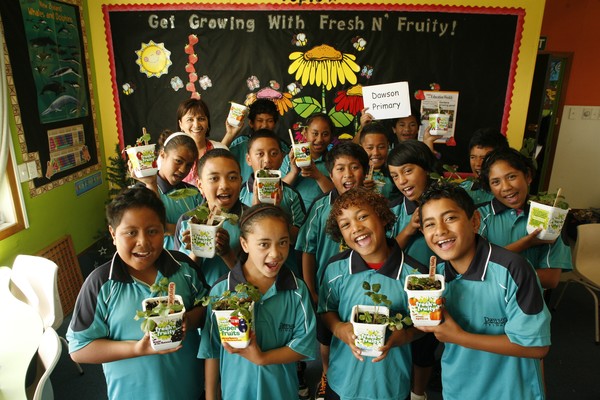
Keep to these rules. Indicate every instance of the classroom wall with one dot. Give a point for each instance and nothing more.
(570, 26)
(57, 212)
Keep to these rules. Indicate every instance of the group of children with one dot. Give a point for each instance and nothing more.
(372, 215)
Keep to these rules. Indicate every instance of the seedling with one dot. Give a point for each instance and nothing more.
(238, 301)
(157, 308)
(452, 177)
(396, 322)
(201, 214)
(551, 199)
(417, 283)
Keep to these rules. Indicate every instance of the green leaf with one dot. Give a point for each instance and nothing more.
(181, 194)
(376, 287)
(306, 106)
(366, 286)
(340, 118)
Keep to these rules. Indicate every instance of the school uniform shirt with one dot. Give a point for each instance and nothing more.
(417, 248)
(474, 189)
(213, 268)
(283, 317)
(384, 185)
(176, 207)
(307, 187)
(502, 225)
(239, 148)
(312, 238)
(292, 204)
(105, 309)
(499, 294)
(341, 289)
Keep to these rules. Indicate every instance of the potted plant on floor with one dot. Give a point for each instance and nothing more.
(234, 313)
(549, 212)
(162, 316)
(371, 321)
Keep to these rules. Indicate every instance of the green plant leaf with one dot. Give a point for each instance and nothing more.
(376, 287)
(306, 106)
(366, 286)
(340, 118)
(181, 194)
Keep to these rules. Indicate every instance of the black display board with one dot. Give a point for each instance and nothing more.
(469, 50)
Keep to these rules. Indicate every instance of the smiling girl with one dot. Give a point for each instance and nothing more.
(284, 330)
(507, 174)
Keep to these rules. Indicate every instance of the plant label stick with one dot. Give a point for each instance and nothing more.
(558, 194)
(432, 264)
(291, 137)
(171, 299)
(370, 174)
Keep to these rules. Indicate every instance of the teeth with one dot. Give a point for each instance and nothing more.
(361, 237)
(445, 241)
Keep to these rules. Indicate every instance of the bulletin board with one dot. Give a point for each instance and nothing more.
(50, 89)
(309, 58)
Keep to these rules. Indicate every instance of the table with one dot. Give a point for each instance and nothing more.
(20, 335)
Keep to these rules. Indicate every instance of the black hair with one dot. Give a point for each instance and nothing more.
(194, 106)
(359, 196)
(414, 152)
(257, 212)
(347, 149)
(324, 117)
(488, 137)
(513, 157)
(184, 140)
(135, 197)
(263, 133)
(263, 106)
(216, 153)
(375, 128)
(447, 190)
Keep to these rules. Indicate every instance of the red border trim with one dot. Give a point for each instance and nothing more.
(519, 12)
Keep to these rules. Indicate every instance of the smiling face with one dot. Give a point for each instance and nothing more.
(509, 185)
(410, 179)
(376, 145)
(449, 232)
(176, 164)
(264, 154)
(476, 157)
(195, 124)
(267, 244)
(406, 128)
(220, 182)
(364, 232)
(138, 239)
(318, 134)
(262, 121)
(347, 173)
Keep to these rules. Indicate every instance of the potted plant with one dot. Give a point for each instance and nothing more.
(234, 313)
(267, 183)
(371, 321)
(162, 316)
(425, 298)
(549, 212)
(142, 156)
(204, 225)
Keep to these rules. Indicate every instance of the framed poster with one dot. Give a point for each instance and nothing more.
(50, 89)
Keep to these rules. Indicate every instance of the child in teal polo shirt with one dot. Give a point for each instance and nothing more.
(264, 152)
(103, 329)
(496, 326)
(361, 217)
(374, 138)
(284, 321)
(507, 174)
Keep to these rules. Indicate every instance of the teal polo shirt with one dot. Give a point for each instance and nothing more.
(498, 295)
(239, 148)
(292, 204)
(474, 189)
(312, 238)
(215, 267)
(307, 187)
(176, 207)
(283, 317)
(341, 289)
(105, 309)
(417, 248)
(502, 226)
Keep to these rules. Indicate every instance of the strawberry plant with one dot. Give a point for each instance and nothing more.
(156, 307)
(396, 322)
(238, 301)
(551, 199)
(201, 213)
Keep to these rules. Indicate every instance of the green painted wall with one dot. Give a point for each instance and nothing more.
(59, 211)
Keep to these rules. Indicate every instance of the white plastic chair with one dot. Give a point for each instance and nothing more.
(34, 282)
(48, 356)
(586, 267)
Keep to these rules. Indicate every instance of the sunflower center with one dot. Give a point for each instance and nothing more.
(323, 53)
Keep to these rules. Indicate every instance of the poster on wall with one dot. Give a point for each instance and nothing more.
(52, 106)
(439, 112)
(308, 58)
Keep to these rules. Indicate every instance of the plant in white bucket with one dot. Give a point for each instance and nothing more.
(371, 321)
(142, 156)
(549, 212)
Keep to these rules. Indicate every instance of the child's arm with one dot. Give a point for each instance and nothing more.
(194, 317)
(105, 350)
(313, 172)
(549, 277)
(528, 241)
(309, 271)
(342, 330)
(223, 249)
(291, 176)
(231, 133)
(253, 353)
(211, 379)
(450, 332)
(403, 238)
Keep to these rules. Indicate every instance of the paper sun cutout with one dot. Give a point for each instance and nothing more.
(154, 59)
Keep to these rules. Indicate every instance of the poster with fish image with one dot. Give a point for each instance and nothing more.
(55, 57)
